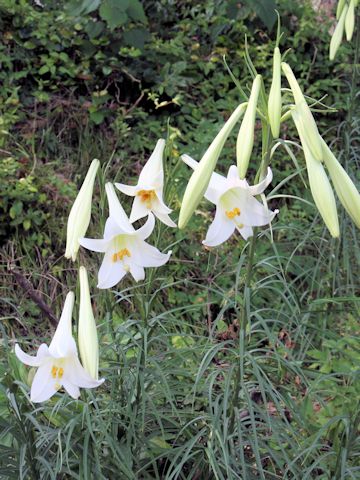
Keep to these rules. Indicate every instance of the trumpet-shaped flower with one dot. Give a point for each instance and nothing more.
(79, 217)
(58, 365)
(124, 247)
(236, 207)
(87, 334)
(149, 190)
(200, 179)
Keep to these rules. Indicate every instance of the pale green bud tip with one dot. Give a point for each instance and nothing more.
(344, 187)
(274, 103)
(310, 131)
(79, 217)
(338, 34)
(350, 21)
(200, 179)
(245, 139)
(87, 333)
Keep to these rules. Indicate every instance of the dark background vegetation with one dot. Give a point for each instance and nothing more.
(106, 79)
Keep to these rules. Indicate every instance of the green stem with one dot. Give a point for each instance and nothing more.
(244, 325)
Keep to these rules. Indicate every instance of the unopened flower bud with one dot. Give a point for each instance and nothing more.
(350, 21)
(274, 103)
(338, 34)
(306, 119)
(245, 139)
(87, 334)
(344, 187)
(320, 188)
(79, 217)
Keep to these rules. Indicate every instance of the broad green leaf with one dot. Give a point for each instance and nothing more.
(136, 11)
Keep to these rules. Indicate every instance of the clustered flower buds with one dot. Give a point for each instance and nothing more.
(345, 14)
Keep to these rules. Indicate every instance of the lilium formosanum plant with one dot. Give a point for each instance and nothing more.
(148, 192)
(124, 247)
(58, 364)
(236, 207)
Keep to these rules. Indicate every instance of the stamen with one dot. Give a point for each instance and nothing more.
(54, 371)
(147, 196)
(60, 372)
(124, 252)
(233, 213)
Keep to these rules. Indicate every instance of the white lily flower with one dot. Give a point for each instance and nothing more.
(124, 247)
(80, 213)
(58, 365)
(148, 192)
(236, 207)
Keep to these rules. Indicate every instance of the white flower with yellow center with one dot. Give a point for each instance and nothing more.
(236, 207)
(148, 192)
(58, 365)
(124, 247)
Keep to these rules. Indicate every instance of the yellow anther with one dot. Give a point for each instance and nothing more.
(146, 196)
(54, 371)
(60, 372)
(232, 213)
(121, 254)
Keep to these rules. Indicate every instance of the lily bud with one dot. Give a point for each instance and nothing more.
(344, 187)
(200, 179)
(306, 119)
(245, 139)
(274, 103)
(320, 187)
(87, 333)
(339, 8)
(79, 217)
(338, 34)
(350, 21)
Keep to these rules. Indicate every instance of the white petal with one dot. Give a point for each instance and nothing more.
(96, 245)
(217, 185)
(245, 231)
(30, 360)
(72, 390)
(146, 255)
(154, 166)
(44, 385)
(260, 187)
(220, 229)
(233, 179)
(62, 343)
(159, 204)
(137, 272)
(139, 210)
(117, 212)
(110, 273)
(164, 218)
(76, 374)
(127, 189)
(255, 214)
(146, 230)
